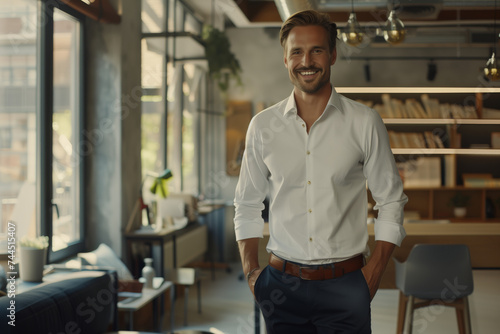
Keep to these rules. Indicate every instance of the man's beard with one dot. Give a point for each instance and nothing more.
(309, 87)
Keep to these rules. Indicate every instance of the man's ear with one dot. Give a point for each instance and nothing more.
(334, 57)
(285, 60)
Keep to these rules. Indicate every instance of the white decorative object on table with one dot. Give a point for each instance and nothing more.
(148, 273)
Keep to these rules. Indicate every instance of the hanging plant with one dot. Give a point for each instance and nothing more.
(222, 63)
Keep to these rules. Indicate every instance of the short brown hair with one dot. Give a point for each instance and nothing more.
(309, 18)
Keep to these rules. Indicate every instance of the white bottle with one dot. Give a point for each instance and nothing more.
(148, 272)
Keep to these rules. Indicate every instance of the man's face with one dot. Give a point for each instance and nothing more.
(308, 58)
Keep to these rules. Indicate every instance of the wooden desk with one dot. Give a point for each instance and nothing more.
(158, 238)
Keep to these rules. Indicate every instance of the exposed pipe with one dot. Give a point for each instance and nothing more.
(286, 8)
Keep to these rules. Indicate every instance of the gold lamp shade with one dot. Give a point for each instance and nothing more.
(352, 34)
(491, 70)
(394, 32)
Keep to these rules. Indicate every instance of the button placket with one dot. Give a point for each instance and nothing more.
(309, 194)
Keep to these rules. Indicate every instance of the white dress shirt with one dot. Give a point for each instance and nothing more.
(316, 182)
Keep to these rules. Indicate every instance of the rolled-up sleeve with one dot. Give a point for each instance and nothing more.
(384, 182)
(252, 188)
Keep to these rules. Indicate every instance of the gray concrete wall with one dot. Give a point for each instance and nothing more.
(113, 171)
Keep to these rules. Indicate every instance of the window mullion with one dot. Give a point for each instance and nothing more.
(44, 114)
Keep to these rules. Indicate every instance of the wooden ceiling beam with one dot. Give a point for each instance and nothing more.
(98, 10)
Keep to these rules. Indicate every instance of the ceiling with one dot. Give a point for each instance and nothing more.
(244, 13)
(429, 23)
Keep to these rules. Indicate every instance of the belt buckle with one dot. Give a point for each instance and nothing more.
(300, 274)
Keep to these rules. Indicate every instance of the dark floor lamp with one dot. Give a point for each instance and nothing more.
(157, 187)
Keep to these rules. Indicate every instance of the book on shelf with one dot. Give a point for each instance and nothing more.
(449, 171)
(481, 183)
(479, 146)
(369, 104)
(414, 140)
(426, 108)
(438, 141)
(431, 106)
(430, 140)
(491, 113)
(495, 140)
(421, 172)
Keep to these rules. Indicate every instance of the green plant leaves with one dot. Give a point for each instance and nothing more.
(222, 63)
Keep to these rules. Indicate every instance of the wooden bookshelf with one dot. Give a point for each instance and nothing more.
(433, 203)
(461, 146)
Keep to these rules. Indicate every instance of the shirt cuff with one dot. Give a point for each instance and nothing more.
(249, 229)
(389, 231)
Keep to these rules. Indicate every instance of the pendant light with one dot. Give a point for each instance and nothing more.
(394, 30)
(352, 33)
(491, 70)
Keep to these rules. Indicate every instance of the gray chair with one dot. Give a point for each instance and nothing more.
(434, 275)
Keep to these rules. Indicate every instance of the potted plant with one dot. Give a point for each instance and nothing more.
(222, 63)
(459, 203)
(33, 255)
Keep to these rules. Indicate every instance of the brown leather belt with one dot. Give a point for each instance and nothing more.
(317, 272)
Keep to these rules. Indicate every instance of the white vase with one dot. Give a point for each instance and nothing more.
(460, 212)
(148, 273)
(32, 261)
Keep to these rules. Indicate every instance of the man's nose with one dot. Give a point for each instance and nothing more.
(306, 59)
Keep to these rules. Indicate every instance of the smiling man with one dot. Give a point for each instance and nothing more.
(314, 169)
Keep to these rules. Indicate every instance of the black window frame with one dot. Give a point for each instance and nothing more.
(45, 91)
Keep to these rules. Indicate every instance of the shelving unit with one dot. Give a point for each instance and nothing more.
(457, 157)
(432, 203)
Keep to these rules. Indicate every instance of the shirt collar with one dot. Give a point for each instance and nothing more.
(291, 106)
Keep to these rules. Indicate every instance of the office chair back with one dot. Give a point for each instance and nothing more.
(436, 272)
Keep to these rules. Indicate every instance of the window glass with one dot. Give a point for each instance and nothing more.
(153, 107)
(67, 157)
(192, 25)
(153, 15)
(18, 123)
(174, 128)
(191, 108)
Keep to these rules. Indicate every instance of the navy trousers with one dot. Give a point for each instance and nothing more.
(291, 305)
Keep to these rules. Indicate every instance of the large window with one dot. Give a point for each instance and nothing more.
(66, 163)
(40, 122)
(173, 80)
(18, 120)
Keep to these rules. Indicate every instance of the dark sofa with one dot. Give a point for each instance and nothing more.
(81, 302)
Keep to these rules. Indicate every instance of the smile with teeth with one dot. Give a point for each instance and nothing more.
(308, 72)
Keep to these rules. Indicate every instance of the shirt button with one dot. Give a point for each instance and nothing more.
(310, 239)
(303, 125)
(308, 182)
(308, 152)
(310, 211)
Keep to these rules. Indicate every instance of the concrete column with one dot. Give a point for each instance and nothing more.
(113, 124)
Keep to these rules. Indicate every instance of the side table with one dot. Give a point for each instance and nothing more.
(133, 304)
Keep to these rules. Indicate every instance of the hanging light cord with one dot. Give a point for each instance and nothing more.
(352, 6)
(495, 29)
